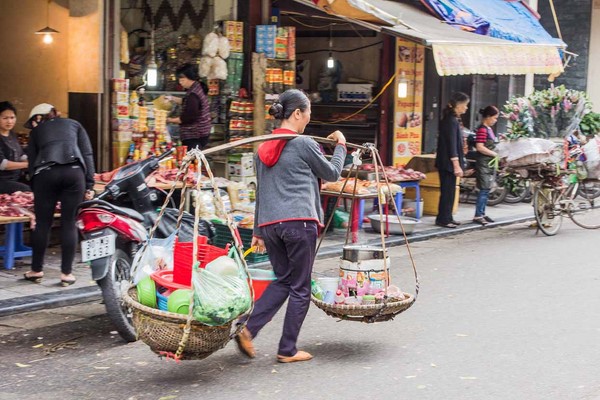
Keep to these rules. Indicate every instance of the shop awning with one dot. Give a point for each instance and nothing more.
(456, 52)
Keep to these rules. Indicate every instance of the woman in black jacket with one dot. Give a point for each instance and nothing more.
(61, 167)
(450, 157)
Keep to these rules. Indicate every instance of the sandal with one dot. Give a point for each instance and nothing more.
(299, 356)
(64, 282)
(480, 221)
(33, 278)
(448, 225)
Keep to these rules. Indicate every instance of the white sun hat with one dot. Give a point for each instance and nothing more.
(40, 109)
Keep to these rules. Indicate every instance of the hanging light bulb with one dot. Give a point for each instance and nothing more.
(47, 31)
(402, 86)
(152, 68)
(152, 74)
(330, 61)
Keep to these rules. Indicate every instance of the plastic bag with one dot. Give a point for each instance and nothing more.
(218, 69)
(154, 255)
(210, 45)
(537, 150)
(592, 158)
(219, 299)
(340, 219)
(204, 66)
(224, 47)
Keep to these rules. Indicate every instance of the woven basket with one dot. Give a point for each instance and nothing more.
(368, 313)
(162, 331)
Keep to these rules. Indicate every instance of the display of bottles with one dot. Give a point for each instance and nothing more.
(316, 290)
(339, 297)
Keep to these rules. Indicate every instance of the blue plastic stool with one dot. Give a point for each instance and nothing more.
(13, 245)
(397, 200)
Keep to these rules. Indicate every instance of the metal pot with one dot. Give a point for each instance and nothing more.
(358, 253)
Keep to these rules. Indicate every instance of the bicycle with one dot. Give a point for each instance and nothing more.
(563, 193)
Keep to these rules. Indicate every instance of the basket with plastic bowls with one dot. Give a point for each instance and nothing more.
(393, 226)
(179, 301)
(146, 291)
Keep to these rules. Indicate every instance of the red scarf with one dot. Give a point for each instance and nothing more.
(270, 151)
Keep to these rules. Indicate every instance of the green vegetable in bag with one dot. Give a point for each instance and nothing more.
(219, 299)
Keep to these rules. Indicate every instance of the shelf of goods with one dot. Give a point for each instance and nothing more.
(359, 128)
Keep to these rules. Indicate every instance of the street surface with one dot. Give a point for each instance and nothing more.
(502, 314)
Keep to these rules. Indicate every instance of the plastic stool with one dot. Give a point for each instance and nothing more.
(13, 245)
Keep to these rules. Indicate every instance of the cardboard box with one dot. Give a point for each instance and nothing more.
(354, 92)
(241, 165)
(120, 85)
(119, 153)
(250, 181)
(431, 198)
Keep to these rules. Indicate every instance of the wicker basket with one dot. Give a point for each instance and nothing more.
(163, 331)
(366, 312)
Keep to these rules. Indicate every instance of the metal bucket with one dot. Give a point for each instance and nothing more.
(358, 253)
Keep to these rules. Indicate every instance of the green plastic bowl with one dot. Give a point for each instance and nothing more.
(179, 301)
(146, 291)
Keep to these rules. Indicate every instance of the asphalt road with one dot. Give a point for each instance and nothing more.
(502, 314)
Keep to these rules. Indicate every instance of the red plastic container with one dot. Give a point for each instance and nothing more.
(183, 258)
(261, 279)
(164, 278)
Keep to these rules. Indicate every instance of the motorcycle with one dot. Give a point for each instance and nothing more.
(112, 234)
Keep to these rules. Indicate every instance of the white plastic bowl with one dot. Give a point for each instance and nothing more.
(394, 226)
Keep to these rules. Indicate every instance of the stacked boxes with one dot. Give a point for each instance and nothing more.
(241, 164)
(276, 42)
(265, 39)
(235, 68)
(234, 31)
(120, 124)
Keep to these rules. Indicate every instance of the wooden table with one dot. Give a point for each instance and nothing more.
(13, 242)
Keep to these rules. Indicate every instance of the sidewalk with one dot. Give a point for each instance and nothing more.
(18, 296)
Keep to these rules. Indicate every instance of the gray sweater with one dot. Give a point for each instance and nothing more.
(289, 190)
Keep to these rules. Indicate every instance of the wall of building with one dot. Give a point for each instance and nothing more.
(593, 83)
(574, 18)
(33, 72)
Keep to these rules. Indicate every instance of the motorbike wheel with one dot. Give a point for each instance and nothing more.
(518, 193)
(589, 189)
(113, 285)
(496, 196)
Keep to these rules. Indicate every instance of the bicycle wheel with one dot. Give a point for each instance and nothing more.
(547, 211)
(585, 209)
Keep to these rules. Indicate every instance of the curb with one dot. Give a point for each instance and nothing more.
(92, 293)
(49, 300)
(392, 241)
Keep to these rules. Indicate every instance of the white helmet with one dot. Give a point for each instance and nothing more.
(40, 109)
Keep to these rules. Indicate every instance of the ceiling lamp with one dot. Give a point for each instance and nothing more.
(47, 31)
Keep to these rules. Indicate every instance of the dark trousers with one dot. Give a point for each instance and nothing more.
(64, 183)
(447, 195)
(291, 246)
(200, 142)
(9, 187)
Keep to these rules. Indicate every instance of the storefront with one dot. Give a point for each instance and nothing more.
(433, 59)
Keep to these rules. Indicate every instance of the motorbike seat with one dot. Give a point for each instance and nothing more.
(127, 212)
